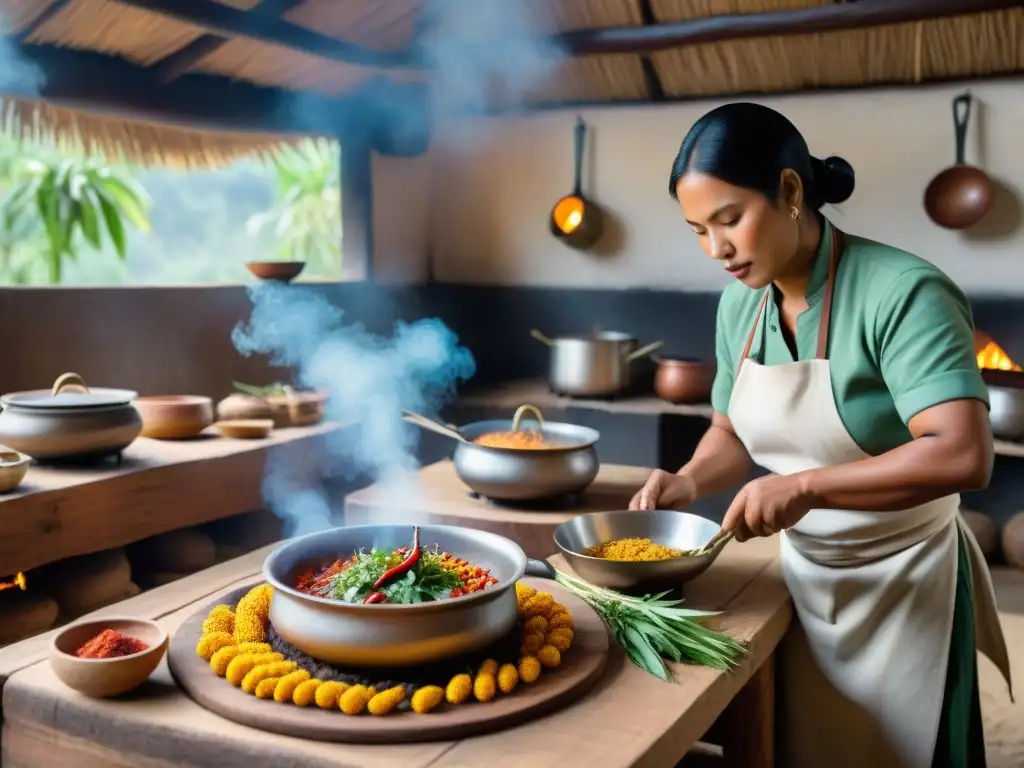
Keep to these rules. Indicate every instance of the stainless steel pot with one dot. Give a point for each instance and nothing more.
(61, 425)
(593, 366)
(521, 474)
(396, 635)
(1006, 403)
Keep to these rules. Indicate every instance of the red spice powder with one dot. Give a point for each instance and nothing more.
(110, 644)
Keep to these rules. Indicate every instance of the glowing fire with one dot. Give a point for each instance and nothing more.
(991, 356)
(18, 581)
(568, 213)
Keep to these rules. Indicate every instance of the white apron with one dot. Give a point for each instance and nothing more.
(864, 667)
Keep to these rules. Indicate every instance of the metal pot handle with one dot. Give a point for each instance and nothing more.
(542, 338)
(643, 351)
(540, 569)
(429, 424)
(66, 380)
(522, 410)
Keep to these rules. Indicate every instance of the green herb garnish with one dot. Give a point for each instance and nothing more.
(427, 581)
(650, 628)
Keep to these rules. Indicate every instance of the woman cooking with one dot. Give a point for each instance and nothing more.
(846, 368)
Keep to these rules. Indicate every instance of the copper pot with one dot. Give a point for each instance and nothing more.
(682, 380)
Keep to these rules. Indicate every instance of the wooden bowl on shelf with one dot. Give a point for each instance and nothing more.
(297, 408)
(103, 678)
(277, 271)
(174, 417)
(245, 429)
(13, 467)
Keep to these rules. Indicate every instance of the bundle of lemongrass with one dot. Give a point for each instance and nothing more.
(652, 628)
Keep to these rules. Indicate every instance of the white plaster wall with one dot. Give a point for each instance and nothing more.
(485, 190)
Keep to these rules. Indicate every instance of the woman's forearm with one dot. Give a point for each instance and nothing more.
(920, 471)
(719, 463)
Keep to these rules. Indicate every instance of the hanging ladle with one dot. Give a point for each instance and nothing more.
(574, 220)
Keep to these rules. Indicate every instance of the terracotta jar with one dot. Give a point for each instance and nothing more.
(681, 380)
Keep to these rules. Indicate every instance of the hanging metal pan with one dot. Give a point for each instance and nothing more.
(960, 196)
(574, 220)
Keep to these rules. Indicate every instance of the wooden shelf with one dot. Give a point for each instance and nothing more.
(160, 486)
(515, 393)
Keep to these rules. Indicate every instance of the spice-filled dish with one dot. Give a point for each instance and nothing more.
(110, 644)
(635, 550)
(523, 440)
(403, 575)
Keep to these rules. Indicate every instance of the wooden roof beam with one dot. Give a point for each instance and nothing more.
(225, 21)
(174, 65)
(803, 21)
(655, 89)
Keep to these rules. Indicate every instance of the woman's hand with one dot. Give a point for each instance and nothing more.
(765, 506)
(665, 491)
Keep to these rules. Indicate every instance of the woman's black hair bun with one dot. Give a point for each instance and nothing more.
(833, 178)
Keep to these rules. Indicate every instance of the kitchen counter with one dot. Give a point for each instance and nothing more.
(440, 498)
(159, 486)
(629, 719)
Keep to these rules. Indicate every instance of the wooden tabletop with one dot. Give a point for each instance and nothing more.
(630, 719)
(160, 485)
(441, 498)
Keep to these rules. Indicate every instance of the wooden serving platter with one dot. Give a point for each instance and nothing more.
(581, 667)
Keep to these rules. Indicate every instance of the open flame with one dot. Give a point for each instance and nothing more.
(17, 581)
(991, 356)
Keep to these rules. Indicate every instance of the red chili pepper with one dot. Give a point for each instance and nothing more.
(405, 565)
(375, 597)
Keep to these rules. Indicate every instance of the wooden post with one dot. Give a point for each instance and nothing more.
(750, 722)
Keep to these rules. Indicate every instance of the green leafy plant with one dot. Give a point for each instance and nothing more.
(306, 216)
(73, 197)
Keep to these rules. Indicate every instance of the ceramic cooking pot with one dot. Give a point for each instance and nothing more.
(70, 421)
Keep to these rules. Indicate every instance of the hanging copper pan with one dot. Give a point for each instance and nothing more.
(960, 196)
(575, 220)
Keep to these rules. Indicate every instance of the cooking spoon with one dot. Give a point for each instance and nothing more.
(433, 426)
(717, 541)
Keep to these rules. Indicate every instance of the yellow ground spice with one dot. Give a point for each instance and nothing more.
(632, 550)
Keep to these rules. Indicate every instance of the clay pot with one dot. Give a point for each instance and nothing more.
(174, 417)
(242, 406)
(1013, 540)
(277, 271)
(681, 380)
(103, 678)
(984, 529)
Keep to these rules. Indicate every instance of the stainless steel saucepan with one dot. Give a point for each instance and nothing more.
(599, 365)
(521, 474)
(396, 635)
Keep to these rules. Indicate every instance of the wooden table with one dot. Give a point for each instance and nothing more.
(161, 485)
(630, 719)
(441, 498)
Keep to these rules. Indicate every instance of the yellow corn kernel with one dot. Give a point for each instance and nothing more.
(549, 656)
(354, 700)
(508, 678)
(427, 698)
(261, 672)
(561, 621)
(386, 701)
(529, 669)
(211, 642)
(326, 696)
(489, 667)
(535, 624)
(220, 619)
(241, 665)
(221, 659)
(532, 643)
(265, 688)
(305, 692)
(484, 687)
(287, 685)
(251, 615)
(561, 639)
(459, 688)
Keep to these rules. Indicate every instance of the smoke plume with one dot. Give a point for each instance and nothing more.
(369, 381)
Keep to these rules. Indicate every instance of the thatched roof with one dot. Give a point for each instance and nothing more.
(230, 65)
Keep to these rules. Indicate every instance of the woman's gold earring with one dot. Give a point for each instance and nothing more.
(795, 212)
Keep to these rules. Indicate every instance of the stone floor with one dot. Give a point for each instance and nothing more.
(1004, 721)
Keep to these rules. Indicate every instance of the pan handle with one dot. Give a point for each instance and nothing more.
(540, 569)
(542, 338)
(429, 424)
(66, 380)
(522, 410)
(961, 119)
(643, 351)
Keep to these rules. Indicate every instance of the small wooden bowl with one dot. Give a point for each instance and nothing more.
(245, 429)
(13, 466)
(103, 678)
(174, 417)
(278, 271)
(301, 408)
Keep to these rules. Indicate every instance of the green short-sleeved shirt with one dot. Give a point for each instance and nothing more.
(901, 340)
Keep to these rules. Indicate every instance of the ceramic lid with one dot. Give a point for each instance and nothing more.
(69, 391)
